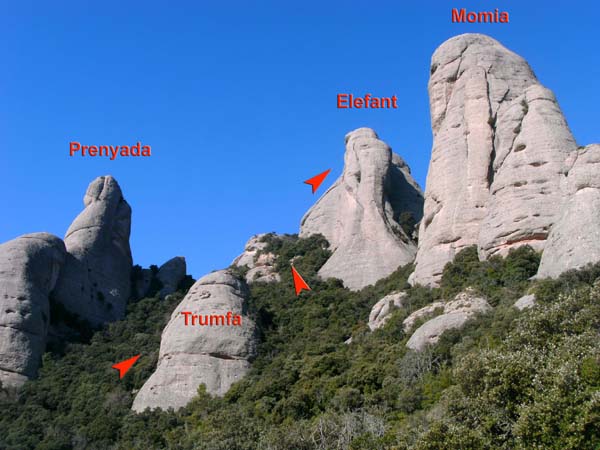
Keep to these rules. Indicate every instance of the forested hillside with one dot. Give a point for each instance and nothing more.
(509, 379)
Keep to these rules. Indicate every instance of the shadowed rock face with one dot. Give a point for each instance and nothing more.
(575, 238)
(170, 274)
(29, 268)
(500, 142)
(360, 214)
(95, 281)
(217, 355)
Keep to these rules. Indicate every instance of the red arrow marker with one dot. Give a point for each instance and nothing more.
(316, 181)
(299, 283)
(124, 366)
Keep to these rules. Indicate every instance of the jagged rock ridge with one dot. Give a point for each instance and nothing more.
(261, 264)
(498, 157)
(361, 213)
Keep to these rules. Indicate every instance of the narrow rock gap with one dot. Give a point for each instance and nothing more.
(492, 117)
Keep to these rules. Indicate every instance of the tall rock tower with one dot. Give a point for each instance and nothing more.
(361, 215)
(500, 143)
(95, 280)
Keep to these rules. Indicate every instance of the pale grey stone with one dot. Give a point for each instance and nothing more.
(360, 213)
(525, 302)
(456, 313)
(29, 268)
(95, 280)
(262, 274)
(382, 310)
(251, 249)
(216, 356)
(426, 311)
(261, 265)
(575, 239)
(430, 332)
(500, 141)
(170, 274)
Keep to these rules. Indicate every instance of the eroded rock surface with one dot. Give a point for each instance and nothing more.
(574, 240)
(419, 314)
(361, 213)
(29, 268)
(382, 310)
(216, 355)
(261, 264)
(95, 280)
(455, 314)
(500, 143)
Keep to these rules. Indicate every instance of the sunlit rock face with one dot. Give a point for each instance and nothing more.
(500, 143)
(95, 282)
(574, 240)
(361, 213)
(215, 355)
(29, 268)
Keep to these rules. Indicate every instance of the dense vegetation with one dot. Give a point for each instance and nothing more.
(507, 380)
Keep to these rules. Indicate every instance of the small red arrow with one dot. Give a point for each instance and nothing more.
(124, 366)
(316, 181)
(299, 283)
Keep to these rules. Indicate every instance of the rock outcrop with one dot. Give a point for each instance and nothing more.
(362, 212)
(261, 264)
(498, 157)
(574, 240)
(382, 310)
(525, 302)
(95, 280)
(29, 268)
(455, 314)
(170, 274)
(419, 314)
(213, 355)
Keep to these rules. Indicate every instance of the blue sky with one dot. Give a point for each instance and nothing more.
(238, 101)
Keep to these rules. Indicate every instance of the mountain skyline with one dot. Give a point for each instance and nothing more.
(231, 146)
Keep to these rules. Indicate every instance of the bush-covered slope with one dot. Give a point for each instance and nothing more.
(509, 379)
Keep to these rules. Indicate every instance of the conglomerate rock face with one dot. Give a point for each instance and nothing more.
(575, 238)
(361, 214)
(215, 355)
(383, 309)
(95, 280)
(455, 314)
(261, 264)
(29, 268)
(498, 157)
